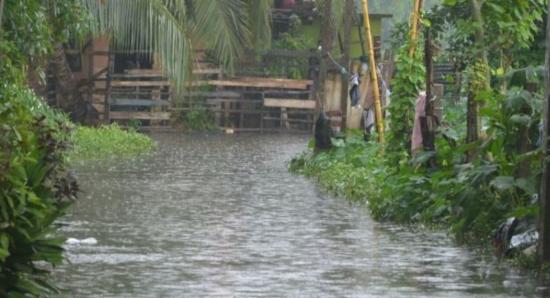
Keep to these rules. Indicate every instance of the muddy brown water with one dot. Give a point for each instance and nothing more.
(220, 216)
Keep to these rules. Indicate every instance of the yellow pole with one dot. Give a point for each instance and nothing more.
(415, 17)
(373, 75)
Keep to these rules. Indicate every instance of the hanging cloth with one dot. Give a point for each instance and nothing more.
(416, 141)
(354, 93)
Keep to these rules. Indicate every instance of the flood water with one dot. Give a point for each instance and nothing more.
(220, 216)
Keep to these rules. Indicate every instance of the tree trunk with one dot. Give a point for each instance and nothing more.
(544, 220)
(108, 86)
(473, 119)
(327, 41)
(349, 11)
(1, 13)
(428, 123)
(458, 84)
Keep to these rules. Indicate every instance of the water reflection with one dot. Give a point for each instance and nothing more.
(221, 216)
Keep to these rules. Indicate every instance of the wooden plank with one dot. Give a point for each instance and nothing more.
(290, 120)
(227, 110)
(259, 84)
(99, 107)
(138, 75)
(140, 115)
(214, 94)
(279, 80)
(289, 103)
(144, 72)
(139, 102)
(140, 83)
(287, 93)
(233, 100)
(98, 98)
(205, 71)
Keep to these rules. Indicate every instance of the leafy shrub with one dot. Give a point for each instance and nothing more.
(351, 169)
(35, 189)
(470, 199)
(108, 142)
(200, 119)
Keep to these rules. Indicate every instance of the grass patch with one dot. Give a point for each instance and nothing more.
(90, 143)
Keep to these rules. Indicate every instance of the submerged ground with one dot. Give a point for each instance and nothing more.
(221, 216)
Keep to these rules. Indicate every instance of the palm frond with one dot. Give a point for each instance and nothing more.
(259, 12)
(222, 26)
(157, 26)
(171, 28)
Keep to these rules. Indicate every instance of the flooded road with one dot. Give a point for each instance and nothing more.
(220, 216)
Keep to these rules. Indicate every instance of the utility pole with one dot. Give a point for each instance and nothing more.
(349, 10)
(415, 19)
(373, 73)
(544, 201)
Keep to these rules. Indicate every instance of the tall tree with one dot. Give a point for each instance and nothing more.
(349, 14)
(328, 32)
(1, 14)
(480, 78)
(544, 221)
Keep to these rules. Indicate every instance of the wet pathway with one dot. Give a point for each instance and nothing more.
(220, 216)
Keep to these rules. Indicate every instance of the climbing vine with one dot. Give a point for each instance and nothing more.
(408, 81)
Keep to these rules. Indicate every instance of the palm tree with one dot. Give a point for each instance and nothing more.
(174, 28)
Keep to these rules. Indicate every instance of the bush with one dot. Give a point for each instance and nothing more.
(200, 119)
(108, 142)
(351, 169)
(470, 199)
(35, 190)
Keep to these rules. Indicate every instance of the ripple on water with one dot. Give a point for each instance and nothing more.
(220, 216)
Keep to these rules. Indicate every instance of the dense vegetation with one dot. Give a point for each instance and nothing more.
(486, 163)
(471, 199)
(35, 186)
(107, 142)
(35, 189)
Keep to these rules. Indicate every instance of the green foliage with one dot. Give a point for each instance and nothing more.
(408, 81)
(134, 124)
(470, 199)
(108, 142)
(35, 189)
(173, 29)
(294, 68)
(352, 169)
(199, 119)
(31, 28)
